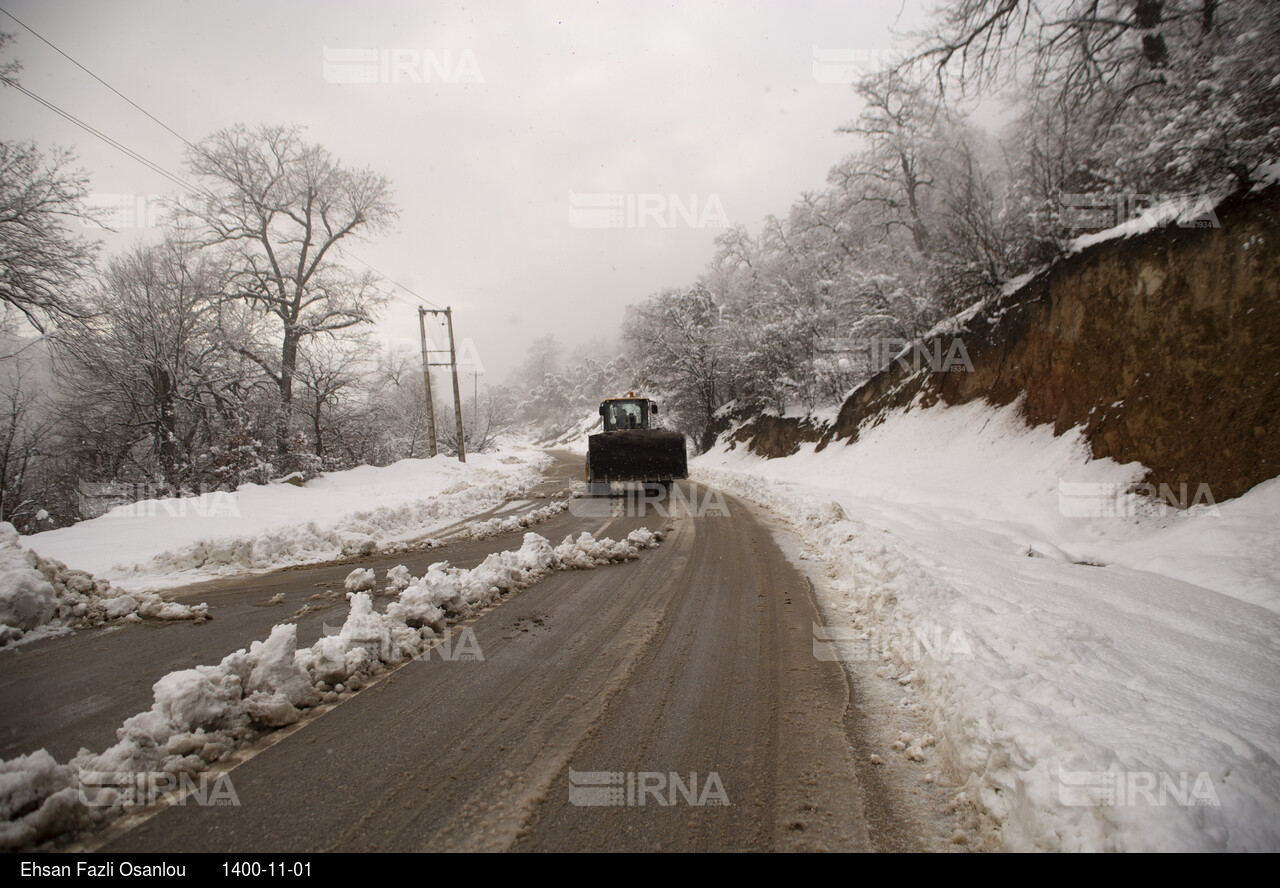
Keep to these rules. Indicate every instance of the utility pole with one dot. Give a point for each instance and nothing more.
(453, 364)
(426, 382)
(457, 397)
(475, 399)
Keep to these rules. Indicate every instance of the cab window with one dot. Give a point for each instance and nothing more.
(624, 415)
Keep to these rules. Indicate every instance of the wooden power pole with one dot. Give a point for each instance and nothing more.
(426, 382)
(457, 397)
(452, 363)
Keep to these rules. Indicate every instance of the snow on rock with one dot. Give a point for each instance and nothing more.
(576, 438)
(644, 538)
(360, 580)
(449, 592)
(1099, 682)
(200, 716)
(586, 552)
(275, 672)
(1266, 174)
(422, 601)
(40, 594)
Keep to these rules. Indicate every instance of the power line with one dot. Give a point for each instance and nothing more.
(138, 157)
(129, 152)
(174, 178)
(415, 297)
(96, 77)
(388, 278)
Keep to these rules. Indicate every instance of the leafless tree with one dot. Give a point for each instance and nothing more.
(25, 424)
(893, 172)
(282, 208)
(1137, 94)
(331, 370)
(42, 262)
(676, 338)
(145, 376)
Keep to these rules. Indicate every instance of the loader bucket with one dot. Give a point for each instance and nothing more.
(637, 455)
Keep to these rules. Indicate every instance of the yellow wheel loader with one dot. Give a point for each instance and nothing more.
(631, 450)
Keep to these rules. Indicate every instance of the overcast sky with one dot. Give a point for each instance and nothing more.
(487, 117)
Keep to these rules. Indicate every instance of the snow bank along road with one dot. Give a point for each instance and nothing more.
(672, 703)
(76, 690)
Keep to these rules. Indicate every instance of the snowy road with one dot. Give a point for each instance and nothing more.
(693, 661)
(75, 690)
(671, 702)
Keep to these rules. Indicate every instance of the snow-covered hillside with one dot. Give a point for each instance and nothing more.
(1099, 673)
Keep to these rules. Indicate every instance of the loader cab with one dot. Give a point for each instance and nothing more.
(628, 413)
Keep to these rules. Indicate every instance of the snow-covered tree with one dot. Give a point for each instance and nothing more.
(43, 263)
(1123, 95)
(149, 392)
(677, 343)
(281, 208)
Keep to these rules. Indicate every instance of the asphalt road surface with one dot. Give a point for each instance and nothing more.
(668, 703)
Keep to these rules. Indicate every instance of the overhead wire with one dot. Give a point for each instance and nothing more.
(96, 77)
(155, 167)
(119, 146)
(347, 252)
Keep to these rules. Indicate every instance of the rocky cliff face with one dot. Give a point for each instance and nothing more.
(1164, 347)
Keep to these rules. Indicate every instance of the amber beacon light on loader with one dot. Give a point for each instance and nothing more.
(631, 450)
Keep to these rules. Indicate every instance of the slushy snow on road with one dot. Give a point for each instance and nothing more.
(201, 715)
